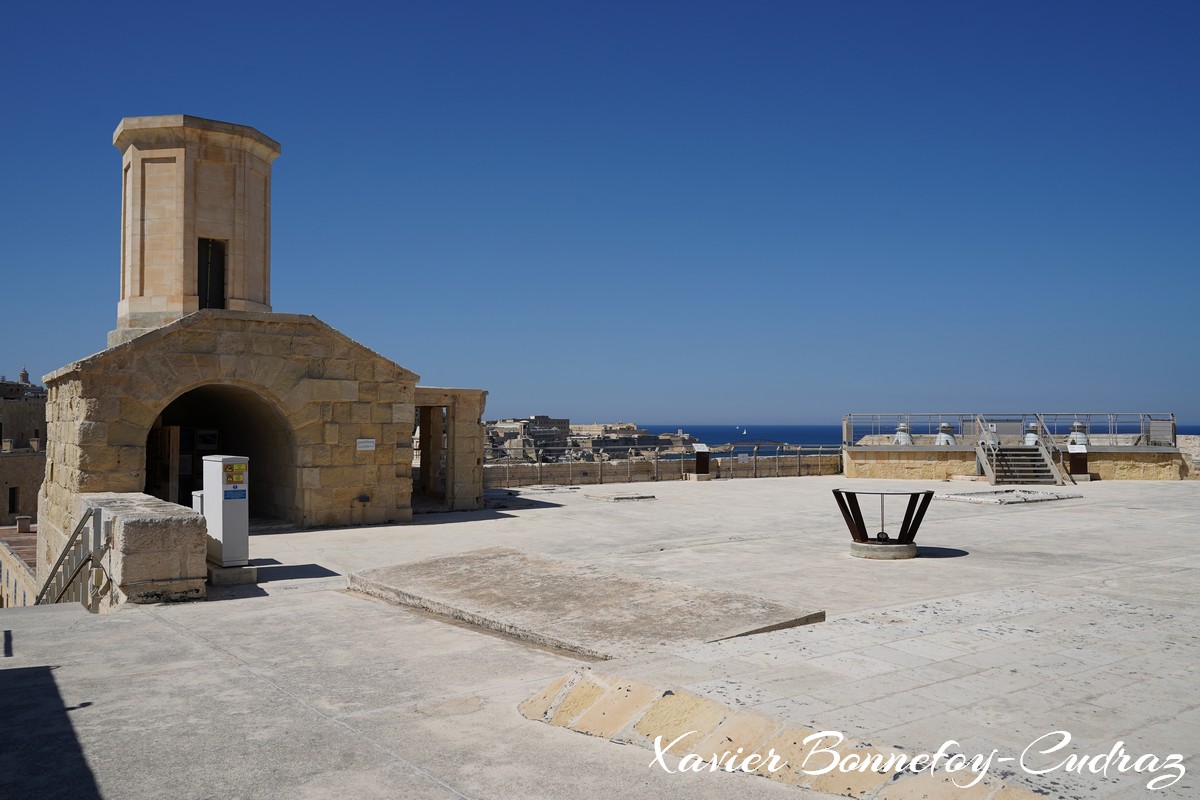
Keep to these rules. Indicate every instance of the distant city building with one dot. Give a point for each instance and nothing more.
(537, 432)
(614, 435)
(598, 429)
(546, 438)
(22, 446)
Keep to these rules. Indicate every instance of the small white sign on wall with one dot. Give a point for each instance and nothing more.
(365, 444)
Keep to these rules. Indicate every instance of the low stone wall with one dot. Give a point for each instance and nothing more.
(941, 463)
(910, 463)
(17, 584)
(1138, 464)
(23, 470)
(1189, 446)
(580, 473)
(155, 553)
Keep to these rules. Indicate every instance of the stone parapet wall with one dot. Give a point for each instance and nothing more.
(941, 463)
(18, 586)
(155, 550)
(914, 463)
(1189, 447)
(1138, 464)
(581, 473)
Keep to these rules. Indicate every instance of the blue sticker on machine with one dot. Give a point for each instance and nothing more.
(235, 494)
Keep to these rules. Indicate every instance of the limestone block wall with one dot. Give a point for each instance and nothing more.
(328, 391)
(1189, 449)
(940, 463)
(21, 470)
(155, 550)
(584, 473)
(916, 463)
(1137, 464)
(465, 437)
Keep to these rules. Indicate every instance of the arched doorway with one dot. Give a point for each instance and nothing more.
(220, 419)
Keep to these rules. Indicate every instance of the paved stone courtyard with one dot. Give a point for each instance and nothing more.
(1017, 621)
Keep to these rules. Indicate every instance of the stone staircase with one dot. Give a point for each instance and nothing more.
(1021, 464)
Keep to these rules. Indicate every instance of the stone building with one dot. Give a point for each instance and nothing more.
(22, 454)
(541, 431)
(199, 364)
(22, 414)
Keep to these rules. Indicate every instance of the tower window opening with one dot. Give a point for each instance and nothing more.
(210, 273)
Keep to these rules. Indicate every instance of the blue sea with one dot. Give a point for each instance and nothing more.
(713, 435)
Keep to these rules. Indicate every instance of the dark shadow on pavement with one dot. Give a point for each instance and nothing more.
(515, 501)
(495, 501)
(41, 756)
(940, 552)
(236, 592)
(294, 572)
(438, 518)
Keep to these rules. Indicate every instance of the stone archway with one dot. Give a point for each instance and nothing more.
(224, 419)
(347, 411)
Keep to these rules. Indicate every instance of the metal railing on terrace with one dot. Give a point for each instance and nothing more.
(1103, 429)
(562, 455)
(1116, 429)
(574, 465)
(878, 429)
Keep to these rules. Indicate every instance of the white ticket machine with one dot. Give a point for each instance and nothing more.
(227, 509)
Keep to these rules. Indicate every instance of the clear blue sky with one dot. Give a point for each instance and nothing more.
(695, 212)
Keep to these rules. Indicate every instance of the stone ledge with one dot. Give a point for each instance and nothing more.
(631, 711)
(155, 551)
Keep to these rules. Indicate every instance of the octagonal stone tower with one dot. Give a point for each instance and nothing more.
(195, 220)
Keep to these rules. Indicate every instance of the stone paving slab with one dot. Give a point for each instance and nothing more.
(596, 612)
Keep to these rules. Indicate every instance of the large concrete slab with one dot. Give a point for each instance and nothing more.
(602, 613)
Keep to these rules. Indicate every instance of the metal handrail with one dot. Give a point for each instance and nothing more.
(986, 448)
(1049, 448)
(77, 554)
